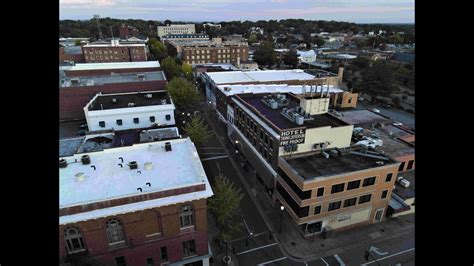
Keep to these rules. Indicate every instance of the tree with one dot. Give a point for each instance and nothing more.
(360, 62)
(377, 80)
(318, 41)
(77, 43)
(187, 71)
(157, 49)
(167, 22)
(225, 206)
(197, 130)
(171, 68)
(183, 93)
(291, 58)
(252, 39)
(265, 55)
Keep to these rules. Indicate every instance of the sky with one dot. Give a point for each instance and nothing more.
(357, 11)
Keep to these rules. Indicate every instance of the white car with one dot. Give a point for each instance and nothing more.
(397, 124)
(361, 98)
(375, 110)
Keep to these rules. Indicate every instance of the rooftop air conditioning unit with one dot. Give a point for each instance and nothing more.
(131, 104)
(133, 165)
(404, 183)
(148, 95)
(114, 100)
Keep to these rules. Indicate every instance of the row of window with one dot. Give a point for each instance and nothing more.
(253, 139)
(116, 235)
(189, 249)
(355, 184)
(409, 166)
(253, 126)
(100, 57)
(101, 51)
(136, 120)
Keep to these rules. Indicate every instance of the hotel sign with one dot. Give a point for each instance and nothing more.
(293, 136)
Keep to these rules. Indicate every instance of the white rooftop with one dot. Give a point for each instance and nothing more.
(274, 88)
(228, 77)
(116, 65)
(178, 168)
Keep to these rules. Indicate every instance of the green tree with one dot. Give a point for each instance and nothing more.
(291, 58)
(183, 93)
(377, 80)
(318, 41)
(77, 43)
(197, 130)
(252, 39)
(171, 68)
(157, 49)
(265, 55)
(187, 71)
(225, 206)
(360, 62)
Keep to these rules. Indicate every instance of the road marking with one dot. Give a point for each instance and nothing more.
(268, 262)
(339, 260)
(401, 252)
(327, 264)
(215, 158)
(377, 250)
(253, 249)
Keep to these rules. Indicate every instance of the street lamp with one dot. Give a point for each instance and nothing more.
(282, 208)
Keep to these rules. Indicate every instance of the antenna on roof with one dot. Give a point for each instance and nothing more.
(97, 17)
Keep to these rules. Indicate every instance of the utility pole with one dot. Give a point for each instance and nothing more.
(97, 18)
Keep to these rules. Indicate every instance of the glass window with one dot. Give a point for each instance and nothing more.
(114, 231)
(365, 198)
(353, 184)
(186, 216)
(369, 181)
(384, 194)
(350, 202)
(189, 248)
(149, 262)
(337, 188)
(136, 120)
(317, 209)
(74, 242)
(389, 177)
(101, 123)
(120, 261)
(334, 205)
(152, 118)
(320, 192)
(168, 117)
(164, 254)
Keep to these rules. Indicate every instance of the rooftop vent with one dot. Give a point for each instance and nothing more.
(133, 165)
(85, 159)
(80, 177)
(167, 146)
(114, 100)
(148, 95)
(148, 165)
(325, 154)
(62, 163)
(131, 104)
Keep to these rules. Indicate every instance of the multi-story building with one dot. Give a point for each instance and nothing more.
(123, 111)
(128, 31)
(210, 25)
(209, 53)
(185, 37)
(137, 205)
(79, 83)
(300, 154)
(176, 29)
(114, 52)
(71, 54)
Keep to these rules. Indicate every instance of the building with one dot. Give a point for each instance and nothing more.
(289, 77)
(176, 29)
(335, 190)
(137, 205)
(214, 51)
(128, 31)
(79, 83)
(114, 52)
(210, 25)
(123, 111)
(185, 37)
(248, 65)
(403, 196)
(306, 56)
(70, 54)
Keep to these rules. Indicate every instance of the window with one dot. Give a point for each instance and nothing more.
(350, 202)
(350, 100)
(384, 194)
(320, 192)
(410, 165)
(74, 240)
(337, 188)
(164, 254)
(334, 205)
(120, 261)
(101, 123)
(369, 181)
(186, 216)
(189, 248)
(365, 198)
(136, 120)
(168, 117)
(114, 231)
(353, 184)
(152, 118)
(149, 262)
(402, 166)
(266, 138)
(317, 209)
(389, 177)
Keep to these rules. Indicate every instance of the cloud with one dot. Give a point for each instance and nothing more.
(86, 3)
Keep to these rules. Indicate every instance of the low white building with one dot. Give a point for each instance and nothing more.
(122, 111)
(176, 29)
(306, 56)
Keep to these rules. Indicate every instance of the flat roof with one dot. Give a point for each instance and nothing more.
(357, 117)
(281, 122)
(409, 192)
(158, 134)
(316, 166)
(81, 81)
(180, 167)
(392, 146)
(224, 66)
(88, 143)
(272, 88)
(259, 76)
(318, 64)
(122, 100)
(115, 65)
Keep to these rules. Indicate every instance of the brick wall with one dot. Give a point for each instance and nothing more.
(73, 99)
(78, 73)
(114, 54)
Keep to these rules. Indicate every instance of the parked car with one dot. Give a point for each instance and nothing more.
(375, 110)
(361, 98)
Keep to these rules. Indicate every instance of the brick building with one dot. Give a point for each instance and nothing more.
(126, 32)
(214, 53)
(118, 207)
(114, 52)
(176, 29)
(80, 83)
(70, 53)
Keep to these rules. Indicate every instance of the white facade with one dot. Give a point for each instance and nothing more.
(109, 118)
(176, 29)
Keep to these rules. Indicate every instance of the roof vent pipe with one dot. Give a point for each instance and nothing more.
(85, 159)
(140, 189)
(62, 163)
(120, 165)
(148, 184)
